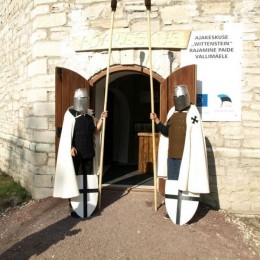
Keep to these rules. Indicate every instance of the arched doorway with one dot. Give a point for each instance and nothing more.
(129, 106)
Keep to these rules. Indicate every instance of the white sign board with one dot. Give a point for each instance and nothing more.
(218, 56)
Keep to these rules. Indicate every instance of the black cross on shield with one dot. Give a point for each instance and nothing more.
(85, 192)
(179, 199)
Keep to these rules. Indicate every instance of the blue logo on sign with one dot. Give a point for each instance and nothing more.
(224, 98)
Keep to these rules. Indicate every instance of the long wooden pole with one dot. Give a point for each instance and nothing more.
(148, 6)
(113, 6)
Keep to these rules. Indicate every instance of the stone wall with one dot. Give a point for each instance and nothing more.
(36, 36)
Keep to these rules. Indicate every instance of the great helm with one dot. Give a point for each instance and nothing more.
(181, 97)
(81, 100)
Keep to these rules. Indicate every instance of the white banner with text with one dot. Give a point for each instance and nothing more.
(218, 56)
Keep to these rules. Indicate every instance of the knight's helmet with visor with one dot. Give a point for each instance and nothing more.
(81, 100)
(181, 97)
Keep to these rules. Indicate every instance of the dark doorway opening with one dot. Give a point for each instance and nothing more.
(129, 106)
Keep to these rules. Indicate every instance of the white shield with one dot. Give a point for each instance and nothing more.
(86, 202)
(180, 205)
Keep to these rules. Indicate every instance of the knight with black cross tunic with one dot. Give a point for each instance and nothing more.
(185, 160)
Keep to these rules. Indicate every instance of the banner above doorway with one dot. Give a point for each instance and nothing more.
(92, 41)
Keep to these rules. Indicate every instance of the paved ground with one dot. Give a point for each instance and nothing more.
(126, 227)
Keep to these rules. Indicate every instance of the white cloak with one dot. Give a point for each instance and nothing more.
(65, 183)
(193, 176)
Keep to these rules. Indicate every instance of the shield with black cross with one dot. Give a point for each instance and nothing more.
(86, 202)
(181, 206)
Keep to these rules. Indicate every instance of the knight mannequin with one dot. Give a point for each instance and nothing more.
(86, 125)
(182, 151)
(77, 152)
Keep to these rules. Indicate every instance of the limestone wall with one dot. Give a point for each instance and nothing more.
(36, 36)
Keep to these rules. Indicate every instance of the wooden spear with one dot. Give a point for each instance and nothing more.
(113, 7)
(148, 7)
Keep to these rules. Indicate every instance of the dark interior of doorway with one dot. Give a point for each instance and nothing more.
(133, 93)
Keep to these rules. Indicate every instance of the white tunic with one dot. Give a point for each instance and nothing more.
(193, 176)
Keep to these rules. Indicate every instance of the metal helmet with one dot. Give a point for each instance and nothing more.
(181, 97)
(81, 100)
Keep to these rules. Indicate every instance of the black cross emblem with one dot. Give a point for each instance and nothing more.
(179, 199)
(194, 120)
(85, 192)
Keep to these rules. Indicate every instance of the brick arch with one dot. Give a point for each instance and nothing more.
(133, 68)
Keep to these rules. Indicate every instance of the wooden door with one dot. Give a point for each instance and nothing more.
(66, 82)
(187, 76)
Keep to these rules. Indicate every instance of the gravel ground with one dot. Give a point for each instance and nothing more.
(126, 227)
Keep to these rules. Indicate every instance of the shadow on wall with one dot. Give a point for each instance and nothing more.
(212, 198)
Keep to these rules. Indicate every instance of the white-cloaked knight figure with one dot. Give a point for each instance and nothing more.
(78, 156)
(182, 157)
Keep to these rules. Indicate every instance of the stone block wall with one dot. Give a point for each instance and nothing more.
(36, 36)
